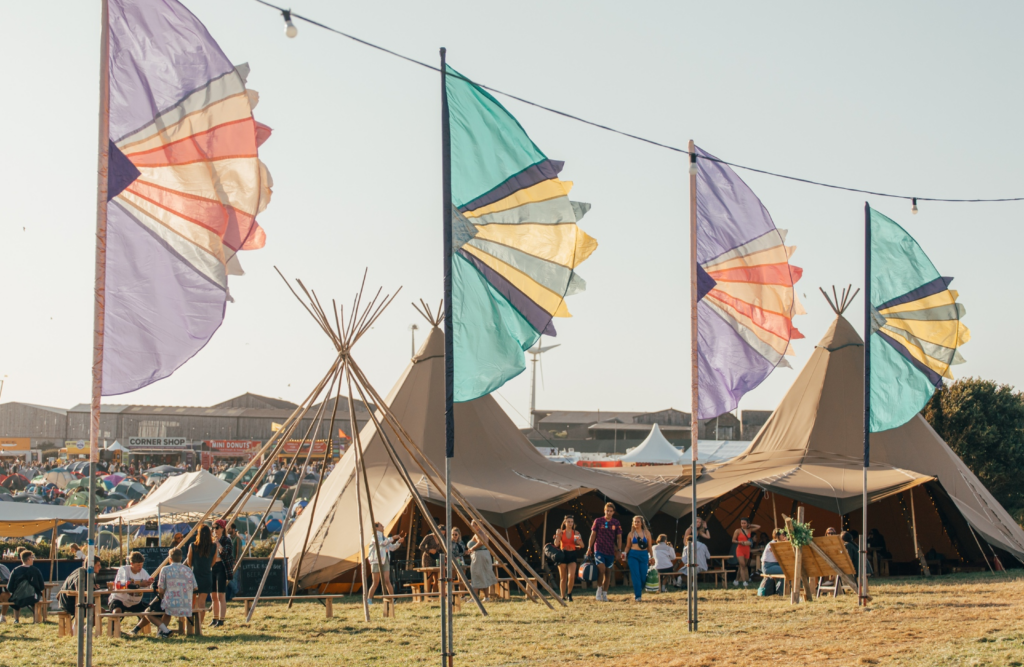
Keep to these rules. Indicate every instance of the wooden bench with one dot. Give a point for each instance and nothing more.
(39, 610)
(390, 600)
(186, 626)
(721, 576)
(328, 601)
(503, 589)
(826, 558)
(776, 577)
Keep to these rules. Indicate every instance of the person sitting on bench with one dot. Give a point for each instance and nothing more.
(770, 565)
(67, 603)
(130, 577)
(703, 556)
(25, 585)
(175, 587)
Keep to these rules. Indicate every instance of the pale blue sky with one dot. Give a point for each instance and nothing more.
(914, 97)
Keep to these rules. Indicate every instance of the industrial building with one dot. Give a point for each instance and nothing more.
(167, 430)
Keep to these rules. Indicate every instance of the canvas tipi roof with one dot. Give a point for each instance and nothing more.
(654, 449)
(496, 468)
(811, 449)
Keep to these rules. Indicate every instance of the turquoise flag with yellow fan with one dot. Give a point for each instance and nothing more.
(916, 328)
(516, 242)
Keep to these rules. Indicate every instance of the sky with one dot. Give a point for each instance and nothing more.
(915, 98)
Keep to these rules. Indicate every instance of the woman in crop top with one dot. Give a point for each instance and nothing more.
(638, 555)
(568, 540)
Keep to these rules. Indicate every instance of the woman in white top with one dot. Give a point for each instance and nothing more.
(381, 567)
(664, 557)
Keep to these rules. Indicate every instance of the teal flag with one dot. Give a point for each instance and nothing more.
(916, 329)
(516, 242)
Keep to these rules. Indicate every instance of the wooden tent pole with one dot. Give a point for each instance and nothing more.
(543, 541)
(976, 541)
(423, 462)
(775, 514)
(53, 549)
(361, 464)
(406, 477)
(316, 495)
(925, 570)
(314, 426)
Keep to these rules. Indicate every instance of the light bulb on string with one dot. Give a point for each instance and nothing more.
(289, 28)
(693, 164)
(913, 205)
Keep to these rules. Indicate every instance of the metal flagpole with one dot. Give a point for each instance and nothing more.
(447, 644)
(691, 560)
(863, 579)
(85, 629)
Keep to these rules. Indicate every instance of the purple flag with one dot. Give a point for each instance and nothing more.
(185, 186)
(745, 289)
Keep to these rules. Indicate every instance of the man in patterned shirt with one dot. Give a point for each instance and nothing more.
(605, 542)
(175, 586)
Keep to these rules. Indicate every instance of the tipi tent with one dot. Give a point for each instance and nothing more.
(495, 467)
(811, 451)
(191, 493)
(654, 449)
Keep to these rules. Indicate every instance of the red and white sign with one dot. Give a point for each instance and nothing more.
(234, 448)
(292, 446)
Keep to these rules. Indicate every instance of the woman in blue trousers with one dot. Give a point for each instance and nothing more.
(638, 555)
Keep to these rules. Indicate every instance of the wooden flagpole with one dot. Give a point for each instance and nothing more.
(863, 578)
(691, 588)
(449, 365)
(99, 311)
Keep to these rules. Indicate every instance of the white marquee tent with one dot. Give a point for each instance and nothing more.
(191, 493)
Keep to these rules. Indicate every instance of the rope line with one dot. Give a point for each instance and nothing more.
(629, 135)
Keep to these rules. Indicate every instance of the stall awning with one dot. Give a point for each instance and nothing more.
(22, 519)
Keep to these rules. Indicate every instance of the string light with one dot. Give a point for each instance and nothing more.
(289, 28)
(913, 206)
(291, 31)
(693, 164)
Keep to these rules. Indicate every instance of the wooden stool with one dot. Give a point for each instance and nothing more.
(64, 623)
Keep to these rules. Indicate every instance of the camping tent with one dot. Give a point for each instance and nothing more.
(191, 493)
(654, 449)
(495, 467)
(811, 451)
(23, 519)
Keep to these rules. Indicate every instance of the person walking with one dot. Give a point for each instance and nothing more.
(743, 538)
(638, 555)
(380, 564)
(202, 554)
(569, 542)
(481, 569)
(605, 542)
(223, 572)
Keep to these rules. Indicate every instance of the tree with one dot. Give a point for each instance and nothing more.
(983, 422)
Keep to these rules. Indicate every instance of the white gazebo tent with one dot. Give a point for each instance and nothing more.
(191, 493)
(654, 450)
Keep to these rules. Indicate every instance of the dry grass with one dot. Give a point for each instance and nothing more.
(952, 620)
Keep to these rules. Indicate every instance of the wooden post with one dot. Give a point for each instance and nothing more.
(925, 570)
(543, 541)
(53, 549)
(800, 582)
(691, 578)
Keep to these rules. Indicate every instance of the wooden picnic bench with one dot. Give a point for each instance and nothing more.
(186, 626)
(825, 557)
(327, 599)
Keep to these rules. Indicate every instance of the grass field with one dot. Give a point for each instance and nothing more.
(950, 620)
